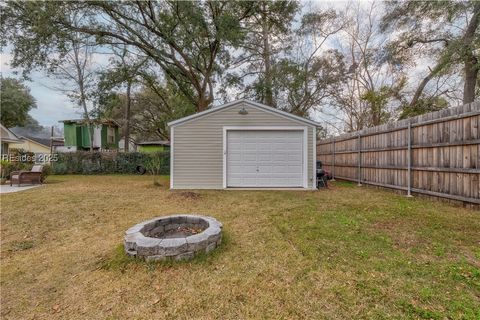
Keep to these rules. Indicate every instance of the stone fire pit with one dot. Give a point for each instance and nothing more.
(177, 237)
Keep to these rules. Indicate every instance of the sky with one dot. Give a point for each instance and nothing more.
(52, 105)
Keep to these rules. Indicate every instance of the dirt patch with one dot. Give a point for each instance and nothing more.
(188, 195)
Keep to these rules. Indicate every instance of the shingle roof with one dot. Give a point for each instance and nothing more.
(45, 141)
(94, 121)
(160, 142)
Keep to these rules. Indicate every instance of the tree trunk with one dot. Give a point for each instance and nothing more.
(203, 101)
(471, 61)
(127, 118)
(89, 123)
(268, 90)
(90, 127)
(424, 82)
(83, 101)
(471, 74)
(80, 79)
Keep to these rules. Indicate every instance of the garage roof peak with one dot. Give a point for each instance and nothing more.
(250, 103)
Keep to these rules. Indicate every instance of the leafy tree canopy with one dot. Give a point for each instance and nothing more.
(185, 39)
(424, 105)
(447, 31)
(15, 103)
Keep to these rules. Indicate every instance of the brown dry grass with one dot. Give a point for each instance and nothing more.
(343, 253)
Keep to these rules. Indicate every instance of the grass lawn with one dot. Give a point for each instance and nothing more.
(347, 252)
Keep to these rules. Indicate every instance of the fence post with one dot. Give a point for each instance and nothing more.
(333, 161)
(359, 159)
(409, 161)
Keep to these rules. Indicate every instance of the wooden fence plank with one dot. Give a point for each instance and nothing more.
(444, 160)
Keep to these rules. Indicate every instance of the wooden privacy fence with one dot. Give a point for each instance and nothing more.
(436, 154)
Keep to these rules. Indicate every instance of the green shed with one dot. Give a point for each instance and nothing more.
(77, 134)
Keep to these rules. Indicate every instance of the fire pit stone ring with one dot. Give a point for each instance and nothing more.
(175, 237)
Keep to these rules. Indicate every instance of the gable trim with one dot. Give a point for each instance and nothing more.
(10, 136)
(251, 104)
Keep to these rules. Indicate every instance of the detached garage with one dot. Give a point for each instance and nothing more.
(242, 144)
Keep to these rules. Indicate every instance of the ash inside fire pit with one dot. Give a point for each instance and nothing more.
(180, 232)
(178, 237)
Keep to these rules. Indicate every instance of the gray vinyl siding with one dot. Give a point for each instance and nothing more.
(198, 145)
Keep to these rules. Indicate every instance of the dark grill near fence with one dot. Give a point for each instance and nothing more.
(437, 154)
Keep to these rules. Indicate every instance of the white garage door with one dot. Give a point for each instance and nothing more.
(264, 158)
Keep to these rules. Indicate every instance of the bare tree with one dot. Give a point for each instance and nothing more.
(74, 69)
(371, 83)
(312, 69)
(446, 32)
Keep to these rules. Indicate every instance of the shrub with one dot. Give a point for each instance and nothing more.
(156, 163)
(46, 171)
(84, 162)
(22, 155)
(59, 168)
(8, 166)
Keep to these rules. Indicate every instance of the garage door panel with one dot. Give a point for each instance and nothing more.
(249, 157)
(236, 146)
(246, 182)
(235, 170)
(265, 158)
(266, 146)
(264, 169)
(278, 175)
(235, 156)
(279, 169)
(297, 146)
(280, 157)
(286, 169)
(294, 169)
(250, 169)
(294, 157)
(279, 147)
(243, 169)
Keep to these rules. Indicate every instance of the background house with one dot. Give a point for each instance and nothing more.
(32, 144)
(77, 137)
(7, 138)
(153, 146)
(132, 146)
(41, 147)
